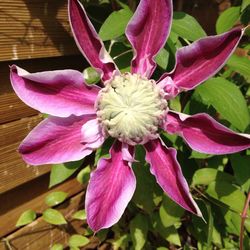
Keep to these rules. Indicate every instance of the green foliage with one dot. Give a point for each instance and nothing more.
(240, 65)
(57, 247)
(227, 99)
(26, 218)
(61, 172)
(83, 175)
(138, 230)
(77, 240)
(187, 27)
(54, 217)
(227, 19)
(114, 26)
(55, 198)
(79, 215)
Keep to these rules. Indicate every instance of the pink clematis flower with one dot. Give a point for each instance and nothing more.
(130, 107)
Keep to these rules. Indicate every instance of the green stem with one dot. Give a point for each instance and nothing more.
(210, 226)
(123, 53)
(243, 218)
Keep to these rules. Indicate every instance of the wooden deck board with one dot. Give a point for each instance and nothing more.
(27, 197)
(34, 29)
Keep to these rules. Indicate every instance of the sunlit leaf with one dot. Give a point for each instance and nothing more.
(79, 215)
(170, 212)
(54, 217)
(26, 218)
(228, 194)
(61, 172)
(138, 230)
(205, 176)
(240, 65)
(227, 19)
(187, 27)
(114, 26)
(83, 175)
(162, 58)
(227, 99)
(78, 240)
(57, 247)
(55, 198)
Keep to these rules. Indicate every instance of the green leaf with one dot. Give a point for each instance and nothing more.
(77, 240)
(162, 58)
(170, 212)
(139, 230)
(227, 99)
(61, 172)
(57, 247)
(114, 26)
(91, 76)
(187, 27)
(79, 215)
(84, 175)
(227, 19)
(55, 198)
(228, 194)
(103, 151)
(245, 3)
(205, 176)
(54, 217)
(240, 65)
(241, 169)
(121, 242)
(26, 218)
(198, 155)
(175, 104)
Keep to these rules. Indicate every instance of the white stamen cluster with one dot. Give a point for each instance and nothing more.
(131, 108)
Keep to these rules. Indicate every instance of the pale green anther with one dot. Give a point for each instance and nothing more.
(131, 108)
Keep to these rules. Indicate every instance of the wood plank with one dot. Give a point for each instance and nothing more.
(34, 29)
(30, 196)
(14, 171)
(12, 108)
(16, 131)
(39, 235)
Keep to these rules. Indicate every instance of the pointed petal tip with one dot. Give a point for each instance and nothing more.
(111, 187)
(202, 59)
(165, 167)
(88, 41)
(205, 135)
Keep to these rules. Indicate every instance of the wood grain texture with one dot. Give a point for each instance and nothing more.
(12, 108)
(13, 170)
(39, 235)
(34, 29)
(26, 198)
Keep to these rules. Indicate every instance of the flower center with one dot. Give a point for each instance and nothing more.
(130, 108)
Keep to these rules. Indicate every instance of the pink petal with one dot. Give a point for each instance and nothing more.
(58, 93)
(202, 59)
(167, 171)
(205, 135)
(110, 189)
(88, 41)
(147, 32)
(92, 134)
(56, 140)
